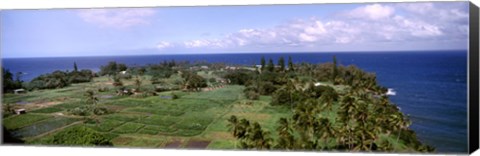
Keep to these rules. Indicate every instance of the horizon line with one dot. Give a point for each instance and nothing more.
(250, 52)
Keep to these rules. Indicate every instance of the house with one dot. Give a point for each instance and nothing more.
(123, 72)
(20, 111)
(18, 91)
(204, 67)
(231, 68)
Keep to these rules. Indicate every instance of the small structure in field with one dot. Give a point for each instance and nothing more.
(19, 91)
(20, 111)
(166, 97)
(231, 68)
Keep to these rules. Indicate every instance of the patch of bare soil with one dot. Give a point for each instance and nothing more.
(221, 135)
(122, 140)
(197, 144)
(37, 105)
(173, 144)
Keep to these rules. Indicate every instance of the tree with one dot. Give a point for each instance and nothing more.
(192, 81)
(325, 130)
(334, 70)
(75, 68)
(347, 116)
(262, 63)
(121, 67)
(328, 96)
(270, 66)
(234, 127)
(112, 68)
(290, 64)
(138, 84)
(361, 119)
(9, 84)
(91, 98)
(281, 64)
(286, 140)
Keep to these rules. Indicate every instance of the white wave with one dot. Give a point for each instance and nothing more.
(391, 92)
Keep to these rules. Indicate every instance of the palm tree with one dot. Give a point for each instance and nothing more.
(326, 130)
(362, 115)
(328, 97)
(286, 139)
(347, 114)
(234, 127)
(259, 138)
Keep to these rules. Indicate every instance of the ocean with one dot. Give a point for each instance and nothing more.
(430, 86)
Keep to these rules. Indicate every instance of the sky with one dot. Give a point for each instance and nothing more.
(234, 29)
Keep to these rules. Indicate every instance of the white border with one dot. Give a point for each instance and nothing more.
(51, 4)
(48, 4)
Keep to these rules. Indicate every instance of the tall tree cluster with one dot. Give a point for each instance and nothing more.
(359, 118)
(8, 81)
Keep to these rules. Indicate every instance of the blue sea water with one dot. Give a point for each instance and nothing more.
(431, 86)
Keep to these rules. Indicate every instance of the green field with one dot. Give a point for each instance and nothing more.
(140, 122)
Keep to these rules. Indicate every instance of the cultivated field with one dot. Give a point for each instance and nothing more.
(194, 120)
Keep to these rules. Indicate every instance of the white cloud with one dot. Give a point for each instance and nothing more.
(316, 28)
(418, 8)
(372, 12)
(116, 18)
(205, 43)
(369, 24)
(307, 38)
(164, 44)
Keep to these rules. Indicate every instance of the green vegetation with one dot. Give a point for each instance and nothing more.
(9, 84)
(358, 117)
(79, 135)
(60, 79)
(16, 122)
(286, 106)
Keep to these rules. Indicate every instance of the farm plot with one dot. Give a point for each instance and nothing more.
(48, 110)
(106, 125)
(43, 127)
(19, 121)
(128, 127)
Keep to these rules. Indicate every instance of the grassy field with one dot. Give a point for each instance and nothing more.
(193, 120)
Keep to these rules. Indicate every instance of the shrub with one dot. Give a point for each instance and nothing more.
(60, 79)
(112, 68)
(238, 77)
(175, 96)
(101, 111)
(81, 111)
(80, 135)
(125, 76)
(79, 77)
(252, 95)
(103, 89)
(212, 80)
(267, 88)
(281, 97)
(116, 81)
